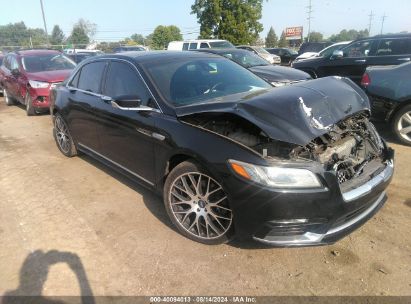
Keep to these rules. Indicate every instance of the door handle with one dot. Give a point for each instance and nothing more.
(106, 98)
(361, 61)
(404, 59)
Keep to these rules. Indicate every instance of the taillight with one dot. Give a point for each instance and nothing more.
(365, 81)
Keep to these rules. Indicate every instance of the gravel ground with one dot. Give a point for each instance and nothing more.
(72, 226)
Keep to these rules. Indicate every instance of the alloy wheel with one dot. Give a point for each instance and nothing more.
(62, 135)
(404, 126)
(200, 205)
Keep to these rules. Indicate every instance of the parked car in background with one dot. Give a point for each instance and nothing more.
(128, 48)
(276, 75)
(260, 51)
(190, 45)
(313, 47)
(287, 55)
(1, 61)
(328, 51)
(353, 59)
(231, 155)
(389, 89)
(27, 77)
(78, 57)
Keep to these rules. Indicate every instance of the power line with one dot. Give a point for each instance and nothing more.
(371, 16)
(309, 12)
(382, 22)
(44, 20)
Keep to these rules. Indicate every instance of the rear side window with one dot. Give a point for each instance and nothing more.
(90, 76)
(123, 80)
(185, 46)
(193, 46)
(394, 46)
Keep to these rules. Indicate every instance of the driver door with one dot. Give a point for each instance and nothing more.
(126, 136)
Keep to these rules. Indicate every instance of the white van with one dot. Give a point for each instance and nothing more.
(189, 45)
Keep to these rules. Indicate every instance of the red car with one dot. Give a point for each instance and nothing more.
(27, 77)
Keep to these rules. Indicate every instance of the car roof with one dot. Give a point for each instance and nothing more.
(403, 35)
(36, 52)
(142, 57)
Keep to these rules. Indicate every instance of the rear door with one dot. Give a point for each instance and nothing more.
(354, 62)
(126, 136)
(84, 97)
(392, 51)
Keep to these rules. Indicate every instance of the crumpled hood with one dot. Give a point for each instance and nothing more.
(50, 76)
(278, 73)
(294, 114)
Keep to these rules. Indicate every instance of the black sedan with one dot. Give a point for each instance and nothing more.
(389, 89)
(276, 75)
(230, 154)
(287, 55)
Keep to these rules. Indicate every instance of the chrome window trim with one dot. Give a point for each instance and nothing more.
(116, 164)
(121, 60)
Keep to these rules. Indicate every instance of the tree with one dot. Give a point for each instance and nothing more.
(315, 37)
(283, 42)
(82, 32)
(162, 36)
(234, 20)
(271, 39)
(57, 36)
(138, 38)
(349, 35)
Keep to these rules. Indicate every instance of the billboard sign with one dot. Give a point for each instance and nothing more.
(294, 33)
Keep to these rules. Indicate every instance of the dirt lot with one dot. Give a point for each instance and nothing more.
(70, 225)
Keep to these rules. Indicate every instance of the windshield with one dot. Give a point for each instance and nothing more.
(49, 62)
(189, 81)
(221, 45)
(327, 52)
(246, 59)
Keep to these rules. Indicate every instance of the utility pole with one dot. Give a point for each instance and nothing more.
(382, 22)
(44, 21)
(371, 16)
(309, 12)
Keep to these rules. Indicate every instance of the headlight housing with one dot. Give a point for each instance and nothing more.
(276, 177)
(38, 84)
(278, 84)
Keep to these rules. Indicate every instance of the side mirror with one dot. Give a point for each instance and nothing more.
(337, 54)
(15, 72)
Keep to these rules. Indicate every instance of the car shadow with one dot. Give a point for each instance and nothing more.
(155, 205)
(34, 273)
(23, 108)
(384, 129)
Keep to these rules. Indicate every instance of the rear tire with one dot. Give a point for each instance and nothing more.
(401, 125)
(9, 101)
(63, 137)
(198, 205)
(29, 105)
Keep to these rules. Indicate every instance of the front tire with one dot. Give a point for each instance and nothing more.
(29, 105)
(9, 101)
(63, 138)
(198, 205)
(401, 125)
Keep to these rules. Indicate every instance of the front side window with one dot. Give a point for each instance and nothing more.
(358, 49)
(204, 45)
(49, 62)
(189, 81)
(13, 63)
(90, 76)
(123, 80)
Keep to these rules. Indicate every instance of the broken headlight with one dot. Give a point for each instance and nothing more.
(276, 177)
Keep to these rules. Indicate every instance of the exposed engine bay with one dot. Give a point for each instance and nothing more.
(347, 148)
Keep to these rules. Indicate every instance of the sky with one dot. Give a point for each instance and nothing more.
(117, 19)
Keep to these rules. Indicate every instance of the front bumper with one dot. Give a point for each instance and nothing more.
(287, 219)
